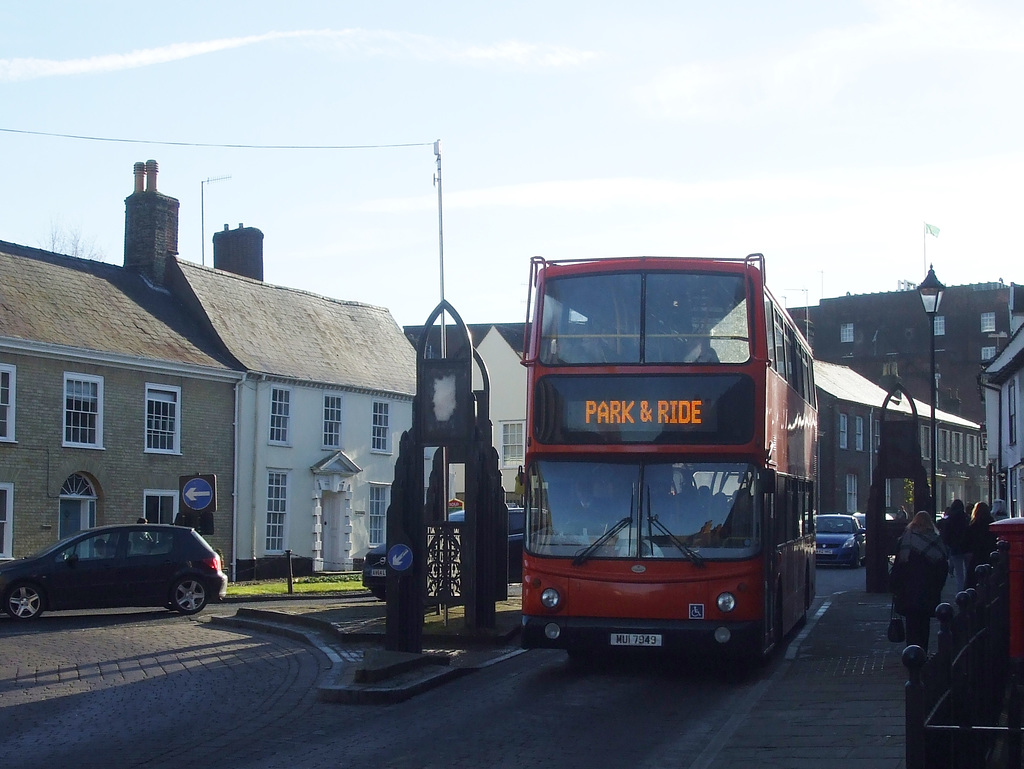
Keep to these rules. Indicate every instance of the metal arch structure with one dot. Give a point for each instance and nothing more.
(471, 570)
(899, 456)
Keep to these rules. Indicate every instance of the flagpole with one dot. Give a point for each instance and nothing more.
(929, 229)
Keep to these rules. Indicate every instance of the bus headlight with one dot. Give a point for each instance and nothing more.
(726, 602)
(550, 598)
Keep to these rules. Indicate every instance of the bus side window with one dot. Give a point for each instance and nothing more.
(780, 345)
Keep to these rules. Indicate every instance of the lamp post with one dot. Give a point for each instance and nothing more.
(931, 296)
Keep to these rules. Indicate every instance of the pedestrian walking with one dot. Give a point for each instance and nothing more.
(918, 576)
(953, 527)
(980, 541)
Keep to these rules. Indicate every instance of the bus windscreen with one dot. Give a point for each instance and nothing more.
(679, 510)
(634, 318)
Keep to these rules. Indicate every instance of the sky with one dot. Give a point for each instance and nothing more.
(823, 135)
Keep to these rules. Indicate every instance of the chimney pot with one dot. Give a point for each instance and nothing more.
(151, 170)
(150, 227)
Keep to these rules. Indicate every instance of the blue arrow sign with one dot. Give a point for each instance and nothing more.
(400, 557)
(197, 493)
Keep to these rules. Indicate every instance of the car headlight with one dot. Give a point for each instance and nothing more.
(849, 543)
(726, 602)
(550, 598)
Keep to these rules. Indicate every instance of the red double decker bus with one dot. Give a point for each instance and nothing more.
(671, 456)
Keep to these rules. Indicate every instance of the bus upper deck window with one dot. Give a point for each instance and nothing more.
(591, 319)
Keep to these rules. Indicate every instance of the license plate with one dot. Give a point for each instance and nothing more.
(821, 551)
(636, 639)
(378, 572)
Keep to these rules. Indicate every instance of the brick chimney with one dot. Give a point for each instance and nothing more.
(150, 226)
(239, 251)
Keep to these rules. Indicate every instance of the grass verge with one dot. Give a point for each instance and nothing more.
(320, 584)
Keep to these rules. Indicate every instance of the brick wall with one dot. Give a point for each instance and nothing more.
(38, 463)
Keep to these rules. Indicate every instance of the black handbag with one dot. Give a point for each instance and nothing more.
(896, 632)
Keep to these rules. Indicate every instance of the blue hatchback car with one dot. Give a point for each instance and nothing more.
(839, 539)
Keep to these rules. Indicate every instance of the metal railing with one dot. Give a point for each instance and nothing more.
(963, 704)
(444, 564)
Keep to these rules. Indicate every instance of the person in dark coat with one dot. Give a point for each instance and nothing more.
(953, 527)
(918, 576)
(979, 540)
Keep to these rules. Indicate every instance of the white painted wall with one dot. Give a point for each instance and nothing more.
(307, 498)
(508, 393)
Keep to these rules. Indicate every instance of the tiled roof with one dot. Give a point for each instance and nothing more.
(846, 384)
(80, 303)
(299, 335)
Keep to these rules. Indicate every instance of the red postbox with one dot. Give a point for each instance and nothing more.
(1012, 530)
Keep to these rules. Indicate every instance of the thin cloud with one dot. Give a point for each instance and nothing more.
(604, 194)
(816, 73)
(31, 69)
(357, 41)
(876, 188)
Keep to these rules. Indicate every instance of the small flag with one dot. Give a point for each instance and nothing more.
(931, 229)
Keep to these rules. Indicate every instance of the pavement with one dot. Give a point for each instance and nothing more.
(836, 696)
(350, 632)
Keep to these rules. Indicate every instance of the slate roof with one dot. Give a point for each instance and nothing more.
(62, 300)
(513, 334)
(846, 384)
(295, 334)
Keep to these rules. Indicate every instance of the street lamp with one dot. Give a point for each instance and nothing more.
(931, 296)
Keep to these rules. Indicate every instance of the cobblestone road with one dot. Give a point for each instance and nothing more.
(144, 689)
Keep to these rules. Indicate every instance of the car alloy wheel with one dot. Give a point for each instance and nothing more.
(189, 595)
(23, 602)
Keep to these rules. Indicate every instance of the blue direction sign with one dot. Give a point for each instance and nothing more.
(400, 557)
(199, 492)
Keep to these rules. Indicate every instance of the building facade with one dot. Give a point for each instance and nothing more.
(118, 382)
(109, 394)
(1003, 386)
(325, 396)
(883, 336)
(849, 425)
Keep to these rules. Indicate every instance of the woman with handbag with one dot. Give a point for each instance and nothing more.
(918, 576)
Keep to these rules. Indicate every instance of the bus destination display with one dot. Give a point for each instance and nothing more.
(683, 409)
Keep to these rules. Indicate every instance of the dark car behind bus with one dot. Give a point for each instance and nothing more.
(375, 564)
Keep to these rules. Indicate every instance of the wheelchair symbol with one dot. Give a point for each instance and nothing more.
(696, 611)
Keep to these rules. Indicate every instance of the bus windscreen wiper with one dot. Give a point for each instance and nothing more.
(689, 552)
(583, 555)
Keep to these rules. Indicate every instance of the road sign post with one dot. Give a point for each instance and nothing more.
(197, 501)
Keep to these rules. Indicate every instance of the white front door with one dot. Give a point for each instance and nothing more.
(333, 531)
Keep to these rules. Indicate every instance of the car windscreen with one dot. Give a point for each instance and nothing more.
(836, 525)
